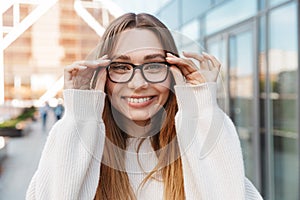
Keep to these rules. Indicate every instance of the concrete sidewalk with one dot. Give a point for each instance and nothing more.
(23, 154)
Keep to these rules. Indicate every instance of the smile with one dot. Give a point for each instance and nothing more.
(138, 100)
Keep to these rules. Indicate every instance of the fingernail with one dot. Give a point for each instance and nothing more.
(82, 67)
(205, 53)
(170, 54)
(102, 60)
(169, 58)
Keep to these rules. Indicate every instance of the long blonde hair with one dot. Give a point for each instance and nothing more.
(113, 183)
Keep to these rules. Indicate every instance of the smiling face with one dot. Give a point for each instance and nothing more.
(138, 100)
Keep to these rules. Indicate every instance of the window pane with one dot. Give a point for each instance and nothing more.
(193, 8)
(222, 17)
(191, 31)
(242, 99)
(217, 48)
(283, 66)
(276, 2)
(170, 15)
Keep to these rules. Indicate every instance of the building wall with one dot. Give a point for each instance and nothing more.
(257, 43)
(35, 61)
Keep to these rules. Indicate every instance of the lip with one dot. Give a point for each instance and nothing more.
(139, 101)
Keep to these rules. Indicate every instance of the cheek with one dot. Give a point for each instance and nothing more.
(164, 89)
(165, 92)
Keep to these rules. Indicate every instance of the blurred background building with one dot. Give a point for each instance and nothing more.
(256, 40)
(34, 62)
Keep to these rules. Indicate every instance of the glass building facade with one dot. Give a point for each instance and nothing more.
(258, 43)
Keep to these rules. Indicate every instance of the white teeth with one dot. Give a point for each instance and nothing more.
(138, 100)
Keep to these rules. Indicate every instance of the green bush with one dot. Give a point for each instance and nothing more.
(28, 113)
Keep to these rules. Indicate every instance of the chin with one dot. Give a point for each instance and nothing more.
(142, 118)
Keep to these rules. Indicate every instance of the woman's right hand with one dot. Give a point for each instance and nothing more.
(79, 74)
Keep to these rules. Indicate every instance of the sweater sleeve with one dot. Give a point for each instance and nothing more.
(211, 153)
(69, 167)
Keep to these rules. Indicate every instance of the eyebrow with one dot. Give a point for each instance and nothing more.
(122, 57)
(147, 57)
(153, 56)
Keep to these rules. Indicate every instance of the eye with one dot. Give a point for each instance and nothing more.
(120, 68)
(154, 67)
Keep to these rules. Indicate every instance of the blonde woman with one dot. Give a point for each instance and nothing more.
(142, 123)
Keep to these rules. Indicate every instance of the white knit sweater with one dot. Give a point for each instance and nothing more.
(211, 154)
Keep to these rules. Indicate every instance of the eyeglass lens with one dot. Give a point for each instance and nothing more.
(123, 72)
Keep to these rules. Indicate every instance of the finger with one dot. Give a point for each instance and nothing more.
(196, 56)
(68, 84)
(178, 77)
(195, 78)
(215, 62)
(205, 65)
(70, 74)
(71, 71)
(101, 80)
(193, 82)
(104, 57)
(74, 67)
(203, 62)
(93, 63)
(186, 66)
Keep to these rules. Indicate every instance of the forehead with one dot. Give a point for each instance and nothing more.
(134, 40)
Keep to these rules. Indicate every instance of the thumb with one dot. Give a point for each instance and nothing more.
(178, 77)
(101, 80)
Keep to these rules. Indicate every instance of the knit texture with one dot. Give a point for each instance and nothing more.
(211, 155)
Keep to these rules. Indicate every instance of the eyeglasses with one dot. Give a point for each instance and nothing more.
(121, 72)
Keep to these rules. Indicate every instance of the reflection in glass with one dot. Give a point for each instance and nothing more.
(276, 2)
(192, 8)
(222, 17)
(283, 66)
(170, 15)
(191, 30)
(218, 49)
(241, 77)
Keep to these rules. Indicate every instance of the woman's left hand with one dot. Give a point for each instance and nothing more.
(208, 70)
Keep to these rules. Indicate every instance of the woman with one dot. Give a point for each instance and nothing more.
(142, 123)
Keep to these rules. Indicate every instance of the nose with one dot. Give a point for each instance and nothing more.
(138, 80)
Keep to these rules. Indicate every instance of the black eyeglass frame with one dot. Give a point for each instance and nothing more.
(135, 67)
